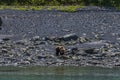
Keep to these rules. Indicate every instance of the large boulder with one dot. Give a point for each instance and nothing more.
(67, 37)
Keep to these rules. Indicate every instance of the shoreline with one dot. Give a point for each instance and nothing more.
(33, 36)
(42, 53)
(52, 68)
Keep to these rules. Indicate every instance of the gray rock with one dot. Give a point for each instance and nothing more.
(117, 64)
(2, 62)
(98, 58)
(49, 38)
(91, 51)
(74, 58)
(23, 63)
(41, 56)
(42, 42)
(36, 38)
(64, 57)
(4, 51)
(39, 43)
(66, 30)
(20, 42)
(6, 39)
(113, 54)
(95, 62)
(27, 54)
(69, 37)
(71, 43)
(83, 39)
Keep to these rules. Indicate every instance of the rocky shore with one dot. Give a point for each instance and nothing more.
(90, 36)
(41, 51)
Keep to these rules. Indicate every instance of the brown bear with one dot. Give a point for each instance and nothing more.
(60, 50)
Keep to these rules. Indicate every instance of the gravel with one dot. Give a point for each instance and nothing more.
(22, 38)
(24, 24)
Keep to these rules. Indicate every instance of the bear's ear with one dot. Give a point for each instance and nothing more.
(57, 48)
(63, 48)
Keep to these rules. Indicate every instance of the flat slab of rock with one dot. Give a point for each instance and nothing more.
(69, 37)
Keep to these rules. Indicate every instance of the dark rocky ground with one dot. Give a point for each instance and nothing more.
(30, 37)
